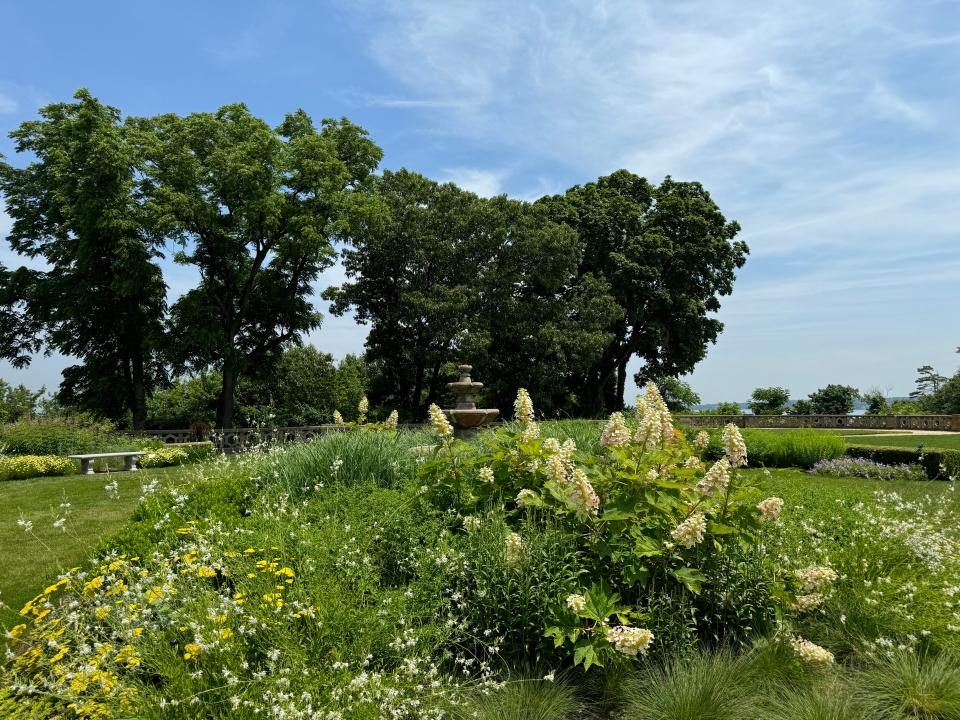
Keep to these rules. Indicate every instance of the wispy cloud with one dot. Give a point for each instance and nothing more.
(484, 183)
(825, 128)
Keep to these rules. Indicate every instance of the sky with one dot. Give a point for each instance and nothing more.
(828, 130)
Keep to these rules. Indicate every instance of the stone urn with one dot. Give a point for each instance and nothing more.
(465, 416)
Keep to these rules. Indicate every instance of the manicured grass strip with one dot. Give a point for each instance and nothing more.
(944, 442)
(93, 515)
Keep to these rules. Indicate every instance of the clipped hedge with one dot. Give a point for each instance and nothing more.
(938, 464)
(20, 467)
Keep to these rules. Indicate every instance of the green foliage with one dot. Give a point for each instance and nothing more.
(877, 403)
(801, 407)
(17, 403)
(19, 467)
(163, 457)
(905, 407)
(801, 447)
(945, 400)
(769, 401)
(60, 436)
(910, 686)
(928, 382)
(724, 408)
(255, 209)
(652, 541)
(102, 296)
(715, 686)
(834, 400)
(678, 395)
(938, 463)
(828, 701)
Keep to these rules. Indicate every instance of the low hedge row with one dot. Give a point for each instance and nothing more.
(938, 464)
(20, 467)
(801, 447)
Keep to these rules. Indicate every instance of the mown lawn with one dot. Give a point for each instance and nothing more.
(32, 559)
(945, 442)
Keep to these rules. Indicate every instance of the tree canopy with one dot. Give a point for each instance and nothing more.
(769, 401)
(101, 297)
(255, 210)
(667, 254)
(834, 400)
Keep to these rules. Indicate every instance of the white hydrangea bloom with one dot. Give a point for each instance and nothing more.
(363, 405)
(701, 441)
(690, 531)
(514, 548)
(770, 508)
(811, 652)
(630, 640)
(471, 523)
(716, 480)
(583, 493)
(815, 577)
(525, 497)
(337, 418)
(615, 433)
(392, 420)
(486, 474)
(439, 421)
(576, 603)
(523, 408)
(733, 446)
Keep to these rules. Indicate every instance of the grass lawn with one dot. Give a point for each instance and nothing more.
(945, 442)
(93, 515)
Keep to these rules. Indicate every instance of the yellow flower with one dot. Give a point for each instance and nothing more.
(16, 631)
(137, 631)
(191, 557)
(206, 572)
(155, 594)
(191, 651)
(183, 531)
(285, 572)
(249, 551)
(64, 649)
(225, 633)
(91, 586)
(102, 611)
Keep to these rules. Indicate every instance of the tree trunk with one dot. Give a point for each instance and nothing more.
(415, 408)
(139, 404)
(225, 401)
(621, 384)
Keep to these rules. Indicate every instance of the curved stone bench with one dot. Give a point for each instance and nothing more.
(86, 464)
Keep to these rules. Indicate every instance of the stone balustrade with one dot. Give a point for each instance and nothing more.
(853, 422)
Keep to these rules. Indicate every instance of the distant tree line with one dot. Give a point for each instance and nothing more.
(558, 295)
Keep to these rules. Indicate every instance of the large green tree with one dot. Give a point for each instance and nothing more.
(255, 210)
(447, 277)
(101, 296)
(668, 254)
(769, 401)
(834, 400)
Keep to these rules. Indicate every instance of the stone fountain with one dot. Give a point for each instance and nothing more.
(465, 416)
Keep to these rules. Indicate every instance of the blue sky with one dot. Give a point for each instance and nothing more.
(829, 130)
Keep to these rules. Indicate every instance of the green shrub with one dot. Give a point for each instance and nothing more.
(163, 457)
(20, 467)
(644, 525)
(937, 463)
(801, 448)
(59, 436)
(829, 701)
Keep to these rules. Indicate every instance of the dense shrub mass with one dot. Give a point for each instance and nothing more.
(383, 574)
(18, 467)
(60, 436)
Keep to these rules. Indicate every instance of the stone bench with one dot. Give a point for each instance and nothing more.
(129, 460)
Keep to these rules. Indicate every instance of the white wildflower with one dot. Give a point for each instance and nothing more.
(584, 495)
(392, 420)
(486, 474)
(515, 549)
(526, 497)
(815, 577)
(363, 405)
(701, 441)
(471, 523)
(523, 408)
(337, 418)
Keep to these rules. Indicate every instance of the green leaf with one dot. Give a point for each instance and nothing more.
(584, 653)
(720, 529)
(691, 578)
